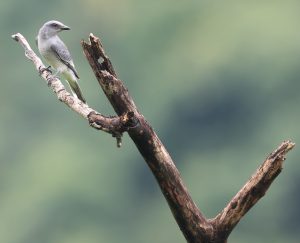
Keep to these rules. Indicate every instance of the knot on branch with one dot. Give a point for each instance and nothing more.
(115, 125)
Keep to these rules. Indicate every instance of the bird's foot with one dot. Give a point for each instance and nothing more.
(41, 70)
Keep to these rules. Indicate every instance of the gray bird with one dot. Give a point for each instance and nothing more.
(57, 54)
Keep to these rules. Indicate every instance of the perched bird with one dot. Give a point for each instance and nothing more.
(54, 50)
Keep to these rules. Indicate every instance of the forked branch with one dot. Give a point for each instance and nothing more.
(195, 227)
(114, 125)
(193, 224)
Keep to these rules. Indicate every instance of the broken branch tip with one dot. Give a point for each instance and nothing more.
(15, 37)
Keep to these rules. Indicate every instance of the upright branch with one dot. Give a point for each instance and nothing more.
(194, 225)
(191, 221)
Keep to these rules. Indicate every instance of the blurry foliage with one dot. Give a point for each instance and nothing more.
(219, 82)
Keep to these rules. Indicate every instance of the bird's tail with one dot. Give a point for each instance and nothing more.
(76, 90)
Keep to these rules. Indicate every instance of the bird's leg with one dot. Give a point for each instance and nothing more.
(54, 76)
(41, 70)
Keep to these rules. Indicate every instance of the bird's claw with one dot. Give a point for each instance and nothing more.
(41, 69)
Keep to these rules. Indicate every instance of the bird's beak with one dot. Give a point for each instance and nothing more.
(65, 27)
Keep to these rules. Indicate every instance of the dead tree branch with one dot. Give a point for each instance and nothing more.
(114, 125)
(191, 221)
(193, 224)
(252, 191)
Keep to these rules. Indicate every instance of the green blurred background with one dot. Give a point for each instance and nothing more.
(218, 81)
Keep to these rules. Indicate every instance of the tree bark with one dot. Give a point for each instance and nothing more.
(195, 227)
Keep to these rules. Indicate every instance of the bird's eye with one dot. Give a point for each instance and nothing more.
(54, 25)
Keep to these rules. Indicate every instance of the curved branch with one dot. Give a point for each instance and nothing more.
(113, 125)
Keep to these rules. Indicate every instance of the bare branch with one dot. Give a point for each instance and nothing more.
(253, 190)
(113, 87)
(113, 125)
(193, 224)
(191, 221)
(195, 227)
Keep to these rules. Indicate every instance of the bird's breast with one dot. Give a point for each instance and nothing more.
(48, 54)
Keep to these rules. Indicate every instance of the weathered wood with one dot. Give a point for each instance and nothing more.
(191, 221)
(195, 227)
(251, 192)
(193, 224)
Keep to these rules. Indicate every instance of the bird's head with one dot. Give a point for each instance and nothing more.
(52, 28)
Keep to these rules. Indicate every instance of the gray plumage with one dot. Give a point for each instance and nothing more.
(54, 50)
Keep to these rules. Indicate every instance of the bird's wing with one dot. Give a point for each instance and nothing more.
(64, 56)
